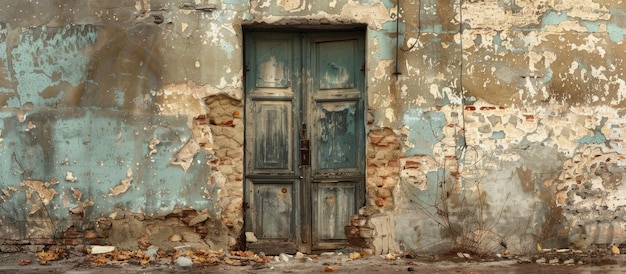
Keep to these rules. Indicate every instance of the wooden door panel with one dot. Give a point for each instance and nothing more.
(336, 105)
(336, 64)
(336, 111)
(273, 209)
(273, 63)
(273, 138)
(333, 203)
(336, 143)
(272, 190)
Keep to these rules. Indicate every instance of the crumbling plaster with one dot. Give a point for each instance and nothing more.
(495, 120)
(537, 82)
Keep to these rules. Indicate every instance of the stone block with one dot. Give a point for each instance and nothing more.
(384, 242)
(42, 241)
(9, 248)
(366, 232)
(16, 242)
(376, 234)
(33, 248)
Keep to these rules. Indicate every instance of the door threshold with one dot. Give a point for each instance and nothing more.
(272, 248)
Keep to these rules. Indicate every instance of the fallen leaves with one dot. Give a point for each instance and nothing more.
(246, 253)
(355, 255)
(205, 257)
(53, 254)
(120, 256)
(200, 257)
(24, 262)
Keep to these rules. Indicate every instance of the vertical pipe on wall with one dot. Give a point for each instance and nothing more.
(397, 71)
(461, 141)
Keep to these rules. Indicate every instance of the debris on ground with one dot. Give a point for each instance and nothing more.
(184, 258)
(24, 262)
(53, 254)
(99, 249)
(120, 256)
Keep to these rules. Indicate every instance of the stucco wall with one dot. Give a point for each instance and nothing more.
(501, 121)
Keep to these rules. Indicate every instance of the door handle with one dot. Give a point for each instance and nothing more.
(305, 153)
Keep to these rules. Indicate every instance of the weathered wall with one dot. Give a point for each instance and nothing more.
(511, 125)
(109, 116)
(503, 127)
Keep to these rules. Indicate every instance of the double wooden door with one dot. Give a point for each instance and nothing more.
(304, 172)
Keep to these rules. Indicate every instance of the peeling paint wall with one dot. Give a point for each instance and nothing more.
(517, 95)
(488, 122)
(104, 123)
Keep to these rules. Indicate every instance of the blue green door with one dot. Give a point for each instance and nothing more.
(304, 138)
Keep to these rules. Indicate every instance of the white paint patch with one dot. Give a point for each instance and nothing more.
(390, 115)
(381, 69)
(533, 58)
(69, 176)
(573, 67)
(590, 45)
(598, 73)
(434, 90)
(454, 98)
(419, 100)
(413, 44)
(587, 10)
(271, 72)
(265, 4)
(404, 89)
(549, 58)
(621, 92)
(30, 126)
(566, 26)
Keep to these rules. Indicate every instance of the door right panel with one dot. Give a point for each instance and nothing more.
(335, 104)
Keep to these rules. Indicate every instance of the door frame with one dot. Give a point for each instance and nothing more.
(303, 211)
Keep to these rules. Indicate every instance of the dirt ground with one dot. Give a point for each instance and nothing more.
(327, 262)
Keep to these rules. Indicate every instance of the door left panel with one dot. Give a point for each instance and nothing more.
(272, 186)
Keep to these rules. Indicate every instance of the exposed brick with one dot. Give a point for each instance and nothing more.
(91, 234)
(375, 139)
(68, 241)
(412, 164)
(72, 233)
